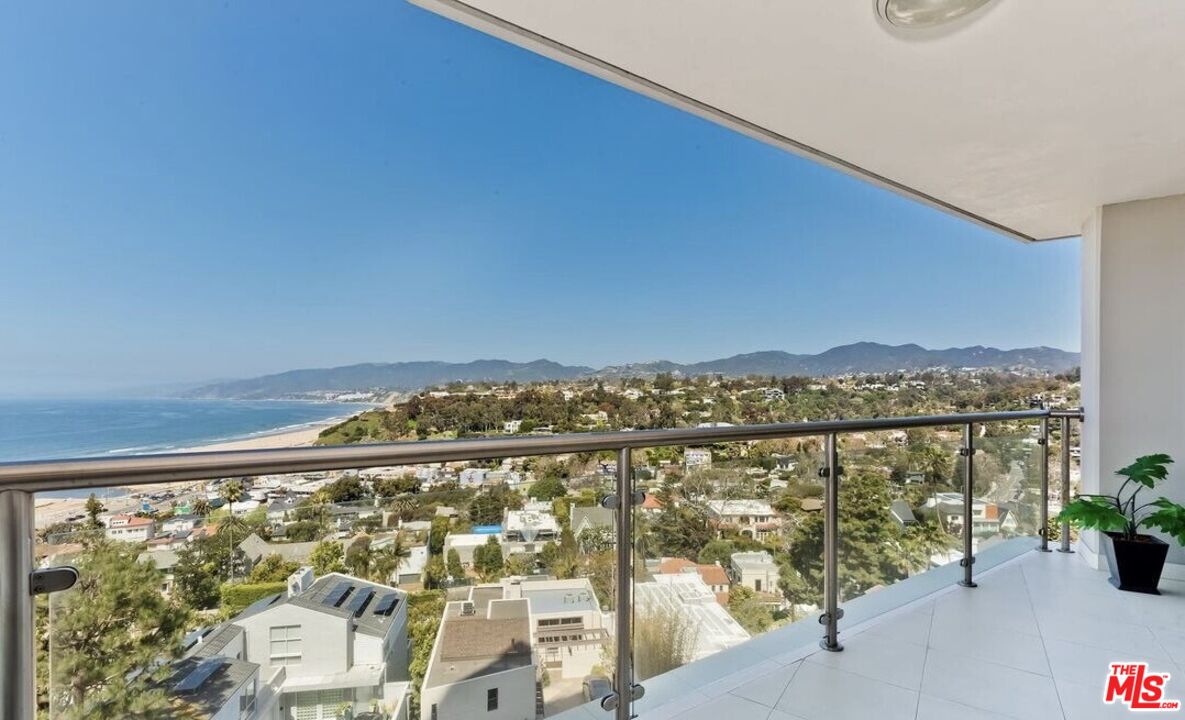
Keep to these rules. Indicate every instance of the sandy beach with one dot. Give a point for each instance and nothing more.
(52, 510)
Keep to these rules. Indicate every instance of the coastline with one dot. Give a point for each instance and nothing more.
(50, 510)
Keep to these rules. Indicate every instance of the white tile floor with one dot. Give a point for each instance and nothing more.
(1032, 641)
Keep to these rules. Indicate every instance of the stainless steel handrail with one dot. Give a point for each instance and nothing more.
(141, 469)
(18, 482)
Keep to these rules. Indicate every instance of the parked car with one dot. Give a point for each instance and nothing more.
(596, 687)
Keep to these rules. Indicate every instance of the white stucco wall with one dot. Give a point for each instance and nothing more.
(1133, 343)
(467, 700)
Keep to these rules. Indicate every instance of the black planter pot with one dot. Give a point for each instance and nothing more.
(1135, 564)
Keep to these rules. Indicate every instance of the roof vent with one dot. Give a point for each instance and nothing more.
(468, 608)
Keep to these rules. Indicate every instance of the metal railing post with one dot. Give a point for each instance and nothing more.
(831, 611)
(1065, 529)
(623, 681)
(968, 453)
(1043, 515)
(17, 663)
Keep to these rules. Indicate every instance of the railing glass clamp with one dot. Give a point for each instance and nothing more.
(610, 502)
(52, 580)
(609, 702)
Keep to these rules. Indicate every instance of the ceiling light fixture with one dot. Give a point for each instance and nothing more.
(917, 14)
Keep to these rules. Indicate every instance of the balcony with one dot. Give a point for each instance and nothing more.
(1013, 633)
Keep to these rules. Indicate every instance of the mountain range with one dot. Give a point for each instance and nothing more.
(861, 357)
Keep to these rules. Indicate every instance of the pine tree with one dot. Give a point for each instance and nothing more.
(107, 636)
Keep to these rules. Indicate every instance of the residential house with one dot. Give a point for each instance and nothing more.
(749, 517)
(712, 574)
(697, 458)
(527, 530)
(569, 630)
(180, 524)
(130, 528)
(598, 519)
(755, 570)
(340, 640)
(482, 663)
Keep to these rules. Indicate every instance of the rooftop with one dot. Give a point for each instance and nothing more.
(561, 596)
(740, 507)
(205, 684)
(469, 646)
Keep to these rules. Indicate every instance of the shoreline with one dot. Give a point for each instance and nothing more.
(50, 510)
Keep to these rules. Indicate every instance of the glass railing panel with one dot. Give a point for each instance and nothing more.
(714, 562)
(1008, 482)
(899, 506)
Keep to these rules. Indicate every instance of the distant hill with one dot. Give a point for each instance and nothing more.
(392, 376)
(867, 357)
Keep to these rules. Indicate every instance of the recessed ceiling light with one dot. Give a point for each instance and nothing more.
(925, 13)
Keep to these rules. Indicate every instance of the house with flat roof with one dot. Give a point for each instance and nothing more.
(755, 570)
(570, 632)
(340, 640)
(482, 663)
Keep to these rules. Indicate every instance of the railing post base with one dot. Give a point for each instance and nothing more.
(830, 648)
(968, 584)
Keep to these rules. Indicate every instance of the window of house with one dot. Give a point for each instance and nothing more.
(491, 699)
(285, 644)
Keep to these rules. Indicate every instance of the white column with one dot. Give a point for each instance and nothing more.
(1133, 344)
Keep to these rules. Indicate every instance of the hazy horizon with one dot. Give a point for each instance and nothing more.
(215, 192)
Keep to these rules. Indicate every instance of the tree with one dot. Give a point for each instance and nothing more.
(752, 615)
(201, 506)
(93, 508)
(327, 557)
(434, 573)
(597, 539)
(232, 530)
(346, 489)
(359, 556)
(520, 564)
(717, 552)
(487, 508)
(424, 611)
(385, 561)
(455, 570)
(272, 568)
(108, 636)
(437, 535)
(232, 491)
(487, 559)
(303, 531)
(547, 488)
(200, 566)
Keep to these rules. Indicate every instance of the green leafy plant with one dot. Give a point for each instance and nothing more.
(1122, 512)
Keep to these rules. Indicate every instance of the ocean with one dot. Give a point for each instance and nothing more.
(51, 429)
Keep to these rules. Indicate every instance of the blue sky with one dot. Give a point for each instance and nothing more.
(196, 191)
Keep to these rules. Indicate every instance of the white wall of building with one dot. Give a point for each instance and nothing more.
(467, 700)
(1133, 344)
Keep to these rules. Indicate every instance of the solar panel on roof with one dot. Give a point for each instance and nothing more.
(358, 602)
(386, 604)
(337, 594)
(200, 674)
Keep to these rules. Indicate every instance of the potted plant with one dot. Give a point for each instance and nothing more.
(1135, 560)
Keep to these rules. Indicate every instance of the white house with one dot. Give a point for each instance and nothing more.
(180, 523)
(569, 630)
(697, 458)
(754, 518)
(340, 640)
(687, 596)
(482, 663)
(130, 528)
(755, 570)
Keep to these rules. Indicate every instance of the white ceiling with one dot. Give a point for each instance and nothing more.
(1024, 116)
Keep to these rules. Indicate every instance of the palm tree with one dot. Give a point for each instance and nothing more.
(201, 506)
(232, 491)
(921, 541)
(232, 525)
(385, 561)
(403, 506)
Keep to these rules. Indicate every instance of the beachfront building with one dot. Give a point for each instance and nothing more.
(482, 663)
(341, 641)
